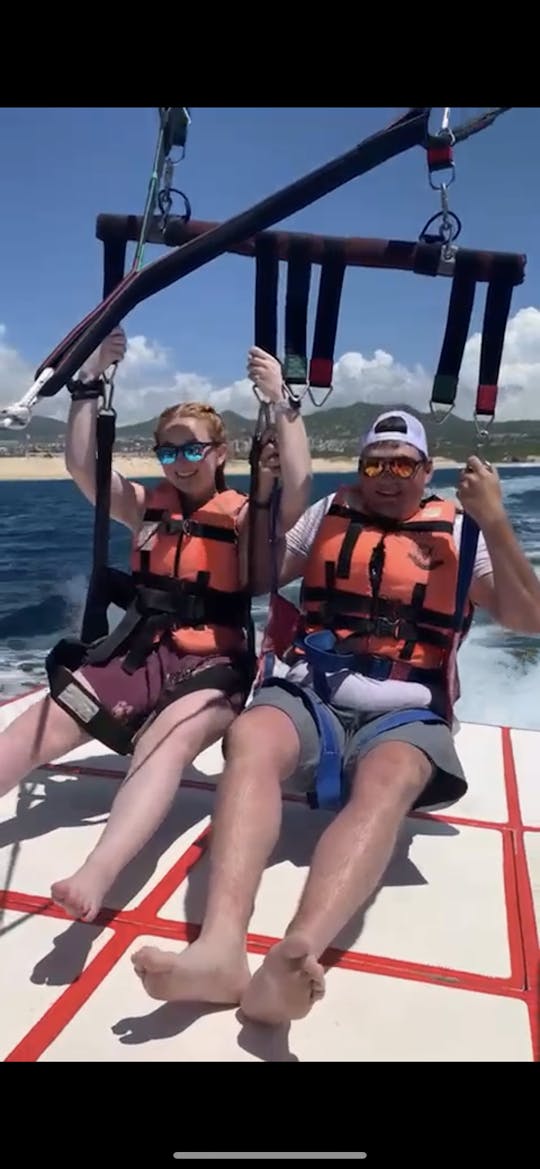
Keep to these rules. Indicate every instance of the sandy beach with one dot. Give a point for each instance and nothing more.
(144, 467)
(134, 467)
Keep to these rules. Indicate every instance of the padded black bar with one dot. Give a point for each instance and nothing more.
(402, 135)
(401, 255)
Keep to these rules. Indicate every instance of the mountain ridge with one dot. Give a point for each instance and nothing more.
(334, 429)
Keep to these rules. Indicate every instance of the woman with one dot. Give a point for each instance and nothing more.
(165, 701)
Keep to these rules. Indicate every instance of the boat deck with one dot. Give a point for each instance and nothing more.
(443, 965)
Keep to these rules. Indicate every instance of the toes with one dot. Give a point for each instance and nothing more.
(88, 914)
(315, 973)
(59, 891)
(151, 960)
(289, 982)
(140, 959)
(79, 910)
(137, 967)
(72, 902)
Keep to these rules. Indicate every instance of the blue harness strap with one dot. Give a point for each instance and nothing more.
(328, 781)
(397, 718)
(329, 793)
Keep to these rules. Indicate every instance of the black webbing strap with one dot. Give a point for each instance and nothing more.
(114, 263)
(266, 337)
(497, 310)
(295, 365)
(266, 294)
(95, 622)
(321, 366)
(458, 323)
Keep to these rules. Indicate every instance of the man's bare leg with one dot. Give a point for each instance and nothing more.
(170, 743)
(262, 750)
(348, 863)
(40, 734)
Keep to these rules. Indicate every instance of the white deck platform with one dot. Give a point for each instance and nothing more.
(444, 965)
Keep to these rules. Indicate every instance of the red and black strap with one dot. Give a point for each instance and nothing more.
(321, 366)
(508, 272)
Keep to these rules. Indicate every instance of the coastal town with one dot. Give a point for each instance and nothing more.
(333, 435)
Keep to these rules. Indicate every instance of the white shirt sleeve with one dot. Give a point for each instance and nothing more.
(482, 563)
(301, 537)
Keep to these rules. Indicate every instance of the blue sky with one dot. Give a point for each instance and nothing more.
(61, 167)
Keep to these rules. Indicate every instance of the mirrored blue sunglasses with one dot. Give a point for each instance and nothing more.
(192, 451)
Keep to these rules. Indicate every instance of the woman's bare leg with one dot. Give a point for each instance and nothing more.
(165, 749)
(41, 733)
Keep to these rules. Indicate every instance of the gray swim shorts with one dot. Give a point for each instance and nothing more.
(446, 785)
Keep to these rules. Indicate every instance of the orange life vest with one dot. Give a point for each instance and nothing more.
(198, 555)
(389, 591)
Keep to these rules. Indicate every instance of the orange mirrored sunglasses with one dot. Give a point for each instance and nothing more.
(401, 467)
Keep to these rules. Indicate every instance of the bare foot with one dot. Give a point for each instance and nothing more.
(82, 894)
(199, 974)
(286, 986)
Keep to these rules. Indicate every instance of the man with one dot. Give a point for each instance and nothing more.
(380, 572)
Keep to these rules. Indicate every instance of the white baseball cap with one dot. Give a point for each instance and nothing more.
(410, 431)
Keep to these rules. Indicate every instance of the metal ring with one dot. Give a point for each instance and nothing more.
(449, 215)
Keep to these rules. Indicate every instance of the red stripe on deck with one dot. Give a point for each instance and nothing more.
(396, 968)
(183, 931)
(525, 903)
(129, 924)
(63, 1010)
(172, 880)
(48, 1028)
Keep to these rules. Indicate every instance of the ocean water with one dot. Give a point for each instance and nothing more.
(45, 558)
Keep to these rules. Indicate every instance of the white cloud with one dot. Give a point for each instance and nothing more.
(142, 357)
(378, 379)
(16, 375)
(147, 380)
(519, 378)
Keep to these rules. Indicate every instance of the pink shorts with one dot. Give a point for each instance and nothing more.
(166, 676)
